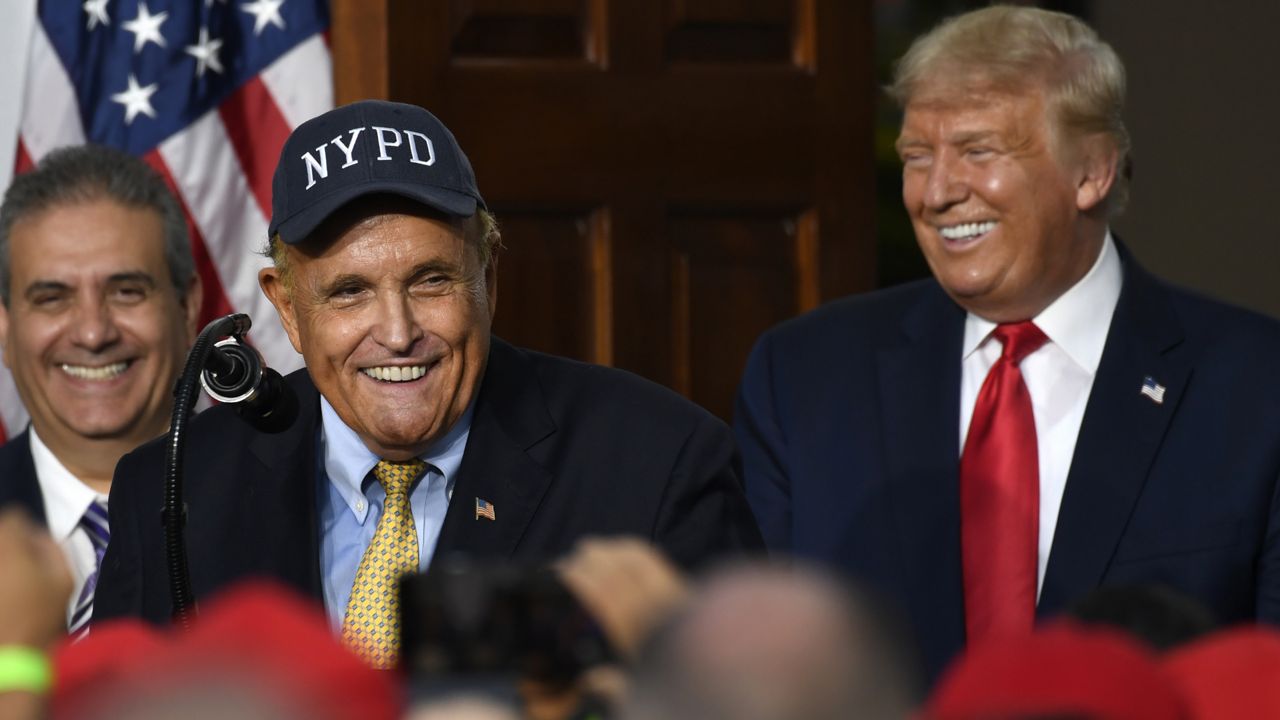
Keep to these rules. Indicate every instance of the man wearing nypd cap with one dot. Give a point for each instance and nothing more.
(419, 433)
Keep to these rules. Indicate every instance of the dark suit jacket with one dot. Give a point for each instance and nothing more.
(18, 483)
(559, 448)
(848, 423)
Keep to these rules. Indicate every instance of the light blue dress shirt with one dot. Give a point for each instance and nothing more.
(351, 501)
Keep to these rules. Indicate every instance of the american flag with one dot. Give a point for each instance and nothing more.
(206, 91)
(484, 510)
(1153, 390)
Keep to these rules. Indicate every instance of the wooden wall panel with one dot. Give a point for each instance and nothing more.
(554, 289)
(524, 30)
(738, 31)
(673, 176)
(734, 275)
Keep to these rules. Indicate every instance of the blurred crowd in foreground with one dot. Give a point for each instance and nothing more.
(1019, 459)
(748, 642)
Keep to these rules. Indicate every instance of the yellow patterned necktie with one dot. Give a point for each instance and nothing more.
(372, 623)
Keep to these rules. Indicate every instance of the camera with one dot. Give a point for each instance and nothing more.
(467, 619)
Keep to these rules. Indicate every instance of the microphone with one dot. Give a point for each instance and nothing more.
(235, 374)
(231, 372)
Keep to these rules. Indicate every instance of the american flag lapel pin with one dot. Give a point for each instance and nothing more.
(1153, 390)
(484, 509)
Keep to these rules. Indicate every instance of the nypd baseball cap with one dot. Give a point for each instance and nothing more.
(371, 146)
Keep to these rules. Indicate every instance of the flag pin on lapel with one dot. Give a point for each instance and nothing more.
(1153, 390)
(484, 510)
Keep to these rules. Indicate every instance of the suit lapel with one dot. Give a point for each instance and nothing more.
(18, 481)
(510, 418)
(290, 540)
(1121, 432)
(919, 400)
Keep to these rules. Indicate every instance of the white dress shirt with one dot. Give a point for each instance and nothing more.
(66, 499)
(1059, 377)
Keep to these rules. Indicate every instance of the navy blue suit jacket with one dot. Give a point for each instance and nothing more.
(18, 483)
(561, 450)
(848, 420)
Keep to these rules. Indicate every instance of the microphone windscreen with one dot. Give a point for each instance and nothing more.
(273, 408)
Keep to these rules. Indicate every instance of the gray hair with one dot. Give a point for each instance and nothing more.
(1007, 48)
(86, 173)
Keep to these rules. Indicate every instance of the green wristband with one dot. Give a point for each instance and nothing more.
(24, 669)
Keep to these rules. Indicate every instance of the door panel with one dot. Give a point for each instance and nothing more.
(673, 177)
(554, 291)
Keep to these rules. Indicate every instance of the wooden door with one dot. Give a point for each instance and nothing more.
(673, 177)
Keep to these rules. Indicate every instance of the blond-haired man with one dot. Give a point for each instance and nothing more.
(1041, 417)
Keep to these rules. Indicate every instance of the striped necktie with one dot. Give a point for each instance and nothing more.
(372, 624)
(95, 526)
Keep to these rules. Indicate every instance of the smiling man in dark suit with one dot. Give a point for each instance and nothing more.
(1041, 417)
(99, 300)
(419, 433)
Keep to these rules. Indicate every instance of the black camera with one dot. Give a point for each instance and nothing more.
(468, 619)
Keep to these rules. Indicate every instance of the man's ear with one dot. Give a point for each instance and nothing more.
(193, 302)
(273, 287)
(1099, 163)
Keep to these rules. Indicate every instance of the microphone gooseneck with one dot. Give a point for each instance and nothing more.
(232, 373)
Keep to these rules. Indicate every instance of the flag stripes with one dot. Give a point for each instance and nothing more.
(214, 130)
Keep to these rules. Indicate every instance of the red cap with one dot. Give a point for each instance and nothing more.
(114, 651)
(257, 636)
(1231, 674)
(1061, 669)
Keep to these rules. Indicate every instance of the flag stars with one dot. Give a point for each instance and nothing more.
(205, 51)
(136, 100)
(265, 12)
(97, 12)
(146, 27)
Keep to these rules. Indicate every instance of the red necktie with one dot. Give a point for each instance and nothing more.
(1000, 496)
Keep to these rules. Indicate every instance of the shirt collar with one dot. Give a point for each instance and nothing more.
(348, 462)
(65, 498)
(1078, 320)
